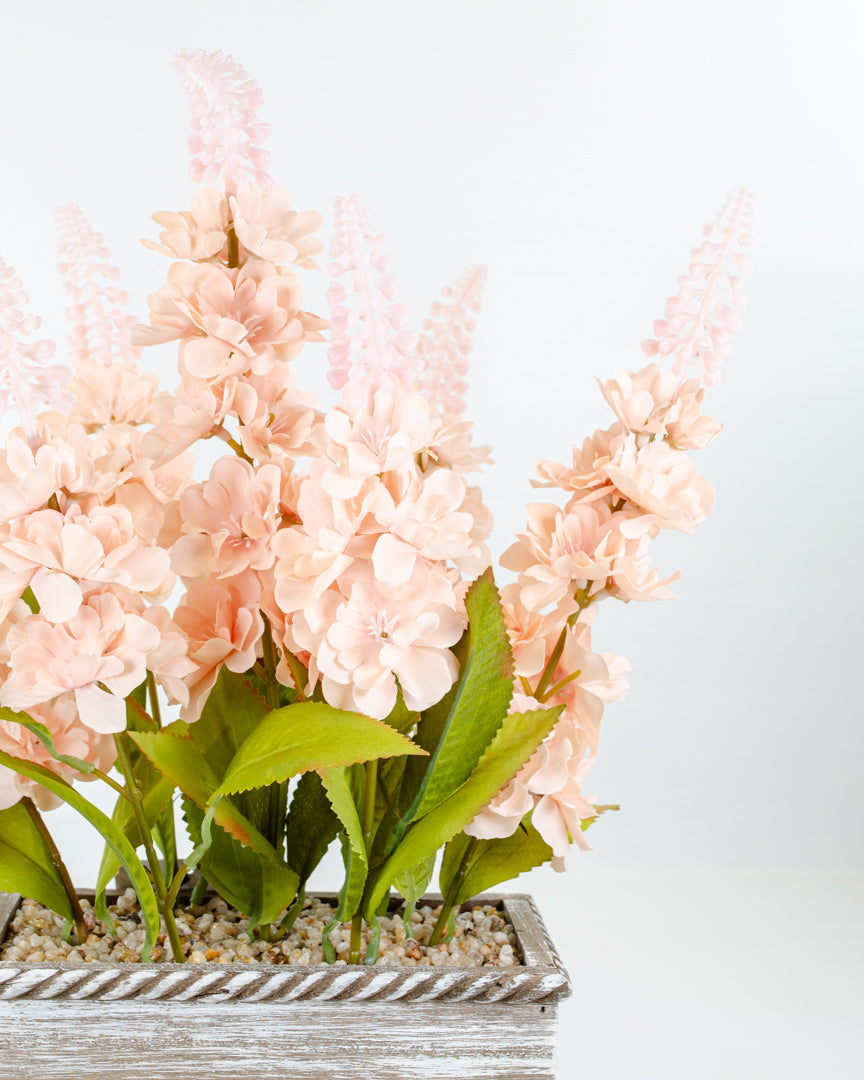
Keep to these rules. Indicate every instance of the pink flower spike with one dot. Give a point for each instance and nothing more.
(369, 342)
(28, 381)
(703, 316)
(226, 133)
(445, 343)
(99, 327)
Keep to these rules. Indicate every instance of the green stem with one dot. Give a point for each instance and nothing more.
(111, 782)
(551, 664)
(356, 939)
(367, 821)
(147, 840)
(278, 793)
(449, 903)
(559, 686)
(60, 866)
(154, 698)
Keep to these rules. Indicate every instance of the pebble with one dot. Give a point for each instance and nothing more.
(213, 933)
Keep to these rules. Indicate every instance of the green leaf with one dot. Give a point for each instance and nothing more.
(518, 738)
(261, 888)
(112, 835)
(413, 883)
(494, 860)
(458, 729)
(178, 758)
(35, 727)
(309, 735)
(30, 600)
(311, 826)
(26, 865)
(157, 791)
(337, 785)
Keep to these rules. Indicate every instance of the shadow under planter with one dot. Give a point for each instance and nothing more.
(72, 1021)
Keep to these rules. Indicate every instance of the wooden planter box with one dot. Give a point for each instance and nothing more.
(259, 1022)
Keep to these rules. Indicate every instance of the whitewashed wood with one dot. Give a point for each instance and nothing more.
(288, 1041)
(310, 1023)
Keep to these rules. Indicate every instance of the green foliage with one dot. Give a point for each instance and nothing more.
(413, 883)
(515, 742)
(255, 881)
(337, 785)
(112, 835)
(305, 736)
(458, 729)
(494, 861)
(26, 865)
(311, 826)
(241, 862)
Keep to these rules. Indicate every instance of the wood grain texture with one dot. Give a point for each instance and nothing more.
(288, 1041)
(262, 1022)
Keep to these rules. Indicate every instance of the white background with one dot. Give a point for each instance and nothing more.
(577, 148)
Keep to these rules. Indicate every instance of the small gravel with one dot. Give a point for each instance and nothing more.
(216, 934)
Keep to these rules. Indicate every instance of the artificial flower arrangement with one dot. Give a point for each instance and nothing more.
(339, 622)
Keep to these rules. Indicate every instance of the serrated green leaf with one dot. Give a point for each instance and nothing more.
(413, 883)
(112, 835)
(305, 736)
(26, 865)
(494, 861)
(311, 826)
(261, 888)
(177, 758)
(37, 728)
(337, 785)
(516, 741)
(458, 729)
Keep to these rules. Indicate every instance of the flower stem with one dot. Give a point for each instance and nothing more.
(155, 711)
(60, 866)
(147, 840)
(278, 794)
(449, 903)
(551, 664)
(367, 821)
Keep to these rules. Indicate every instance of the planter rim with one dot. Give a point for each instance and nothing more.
(541, 977)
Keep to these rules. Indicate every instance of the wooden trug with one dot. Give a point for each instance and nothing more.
(76, 1021)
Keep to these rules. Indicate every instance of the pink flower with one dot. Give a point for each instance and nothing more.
(229, 321)
(61, 557)
(70, 736)
(275, 418)
(223, 624)
(367, 639)
(267, 227)
(118, 394)
(102, 644)
(264, 225)
(663, 482)
(228, 520)
(652, 402)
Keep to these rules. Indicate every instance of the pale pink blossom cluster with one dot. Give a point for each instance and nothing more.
(83, 570)
(444, 346)
(226, 132)
(340, 544)
(702, 317)
(28, 379)
(626, 484)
